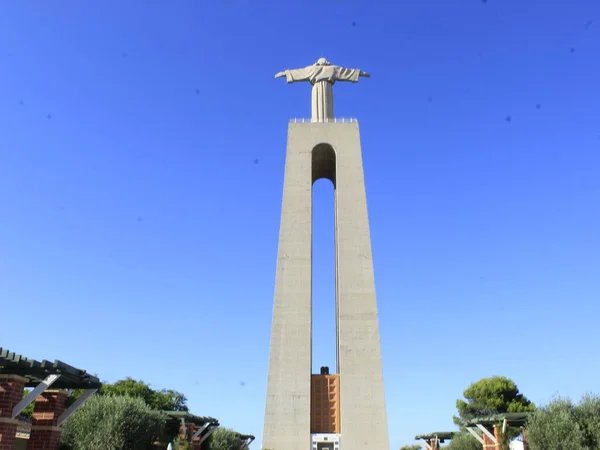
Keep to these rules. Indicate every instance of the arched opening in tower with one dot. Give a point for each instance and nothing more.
(325, 416)
(324, 345)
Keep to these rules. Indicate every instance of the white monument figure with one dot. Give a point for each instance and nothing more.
(322, 75)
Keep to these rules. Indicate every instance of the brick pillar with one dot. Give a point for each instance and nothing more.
(487, 442)
(45, 433)
(190, 429)
(11, 393)
(196, 442)
(524, 434)
(497, 434)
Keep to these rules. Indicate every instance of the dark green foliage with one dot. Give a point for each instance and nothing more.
(410, 447)
(28, 411)
(223, 439)
(463, 441)
(111, 422)
(587, 414)
(561, 425)
(163, 400)
(168, 400)
(181, 444)
(490, 396)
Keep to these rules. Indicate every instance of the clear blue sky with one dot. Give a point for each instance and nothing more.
(142, 148)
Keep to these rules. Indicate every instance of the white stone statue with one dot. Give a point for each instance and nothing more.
(322, 75)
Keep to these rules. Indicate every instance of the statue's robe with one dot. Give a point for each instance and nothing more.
(322, 79)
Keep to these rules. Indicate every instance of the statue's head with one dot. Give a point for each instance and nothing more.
(322, 62)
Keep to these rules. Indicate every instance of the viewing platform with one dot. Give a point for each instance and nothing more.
(335, 119)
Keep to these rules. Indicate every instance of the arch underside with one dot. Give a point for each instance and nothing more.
(323, 163)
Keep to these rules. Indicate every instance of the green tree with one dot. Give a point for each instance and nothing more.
(28, 411)
(561, 425)
(587, 414)
(463, 441)
(490, 396)
(410, 447)
(163, 400)
(224, 439)
(168, 400)
(128, 387)
(111, 422)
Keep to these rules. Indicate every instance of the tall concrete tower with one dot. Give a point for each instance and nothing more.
(344, 410)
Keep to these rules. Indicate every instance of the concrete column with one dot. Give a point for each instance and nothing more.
(287, 411)
(362, 397)
(11, 393)
(45, 432)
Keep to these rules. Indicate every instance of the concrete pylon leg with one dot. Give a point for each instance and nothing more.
(362, 397)
(287, 413)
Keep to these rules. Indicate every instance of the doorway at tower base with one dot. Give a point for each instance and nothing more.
(325, 441)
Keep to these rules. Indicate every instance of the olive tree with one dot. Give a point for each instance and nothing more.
(562, 425)
(110, 422)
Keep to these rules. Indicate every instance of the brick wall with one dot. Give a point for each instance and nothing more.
(434, 444)
(488, 444)
(45, 433)
(325, 404)
(11, 393)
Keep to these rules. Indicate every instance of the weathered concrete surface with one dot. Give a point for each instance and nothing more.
(362, 398)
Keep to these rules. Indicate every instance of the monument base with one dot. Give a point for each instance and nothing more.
(325, 441)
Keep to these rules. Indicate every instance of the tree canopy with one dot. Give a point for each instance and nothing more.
(562, 425)
(559, 425)
(411, 447)
(162, 400)
(488, 396)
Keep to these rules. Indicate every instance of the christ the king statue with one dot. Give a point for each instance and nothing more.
(322, 75)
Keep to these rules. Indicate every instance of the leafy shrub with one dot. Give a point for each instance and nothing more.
(463, 441)
(223, 439)
(561, 425)
(107, 422)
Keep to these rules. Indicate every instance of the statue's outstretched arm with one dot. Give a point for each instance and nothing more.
(293, 75)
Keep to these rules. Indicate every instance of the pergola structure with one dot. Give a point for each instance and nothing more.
(432, 441)
(197, 429)
(50, 410)
(246, 440)
(485, 429)
(192, 428)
